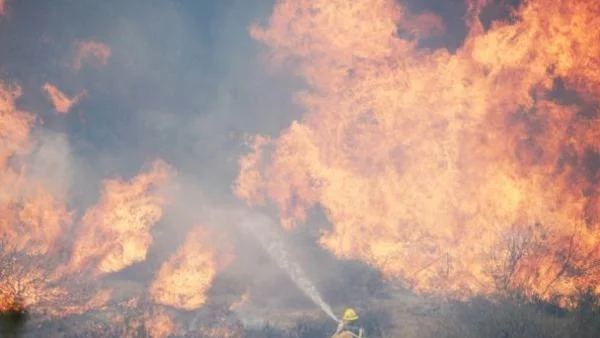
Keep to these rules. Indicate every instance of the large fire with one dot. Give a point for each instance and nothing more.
(461, 171)
(115, 233)
(185, 278)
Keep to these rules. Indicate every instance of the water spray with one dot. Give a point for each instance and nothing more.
(262, 228)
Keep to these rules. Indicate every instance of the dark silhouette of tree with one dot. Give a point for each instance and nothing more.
(15, 282)
(12, 321)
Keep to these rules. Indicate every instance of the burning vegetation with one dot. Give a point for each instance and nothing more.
(115, 233)
(464, 172)
(184, 279)
(460, 182)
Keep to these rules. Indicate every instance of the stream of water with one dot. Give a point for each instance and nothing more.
(262, 228)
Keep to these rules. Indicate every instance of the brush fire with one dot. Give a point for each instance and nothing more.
(460, 171)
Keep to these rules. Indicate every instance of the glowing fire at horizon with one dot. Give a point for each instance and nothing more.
(460, 172)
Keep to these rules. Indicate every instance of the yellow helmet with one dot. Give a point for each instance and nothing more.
(350, 314)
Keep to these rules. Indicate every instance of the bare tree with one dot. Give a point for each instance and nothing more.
(13, 289)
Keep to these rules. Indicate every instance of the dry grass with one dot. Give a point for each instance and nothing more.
(385, 312)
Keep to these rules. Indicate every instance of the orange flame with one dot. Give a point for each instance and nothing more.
(35, 222)
(2, 7)
(39, 223)
(184, 279)
(32, 218)
(14, 125)
(223, 331)
(115, 233)
(159, 325)
(20, 286)
(461, 172)
(112, 235)
(240, 302)
(61, 102)
(91, 50)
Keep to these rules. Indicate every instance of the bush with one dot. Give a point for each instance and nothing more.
(586, 318)
(12, 321)
(516, 318)
(377, 323)
(503, 319)
(265, 332)
(310, 329)
(354, 283)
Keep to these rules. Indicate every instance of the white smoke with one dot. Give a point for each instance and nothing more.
(261, 227)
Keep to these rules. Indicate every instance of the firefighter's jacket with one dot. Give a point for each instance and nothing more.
(350, 331)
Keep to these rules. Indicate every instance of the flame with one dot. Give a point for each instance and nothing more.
(184, 279)
(15, 125)
(20, 285)
(36, 270)
(91, 50)
(2, 7)
(115, 233)
(32, 218)
(249, 178)
(54, 265)
(76, 299)
(461, 172)
(221, 324)
(61, 102)
(37, 225)
(221, 332)
(159, 325)
(240, 302)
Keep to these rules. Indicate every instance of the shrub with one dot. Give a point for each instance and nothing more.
(586, 318)
(502, 319)
(12, 321)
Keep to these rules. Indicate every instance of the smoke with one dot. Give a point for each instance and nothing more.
(261, 227)
(51, 162)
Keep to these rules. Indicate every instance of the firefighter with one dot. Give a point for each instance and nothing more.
(348, 326)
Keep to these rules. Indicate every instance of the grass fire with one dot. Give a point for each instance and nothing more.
(300, 168)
